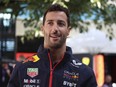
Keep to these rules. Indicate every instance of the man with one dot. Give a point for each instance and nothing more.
(108, 81)
(54, 65)
(6, 73)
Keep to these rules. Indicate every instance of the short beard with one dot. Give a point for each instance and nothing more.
(58, 45)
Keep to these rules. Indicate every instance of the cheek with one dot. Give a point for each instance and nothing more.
(64, 35)
(67, 33)
(46, 36)
(46, 33)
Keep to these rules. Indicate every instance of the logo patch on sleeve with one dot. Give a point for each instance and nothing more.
(33, 58)
(36, 58)
(32, 72)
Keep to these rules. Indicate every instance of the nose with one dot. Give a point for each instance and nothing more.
(55, 28)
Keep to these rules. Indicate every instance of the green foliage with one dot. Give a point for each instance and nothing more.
(81, 10)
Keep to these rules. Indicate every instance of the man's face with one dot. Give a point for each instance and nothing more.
(55, 29)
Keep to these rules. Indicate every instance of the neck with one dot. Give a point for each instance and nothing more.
(57, 54)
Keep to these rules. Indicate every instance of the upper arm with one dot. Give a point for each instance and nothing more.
(14, 79)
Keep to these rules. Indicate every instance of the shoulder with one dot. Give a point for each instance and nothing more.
(75, 62)
(33, 58)
(85, 72)
(28, 61)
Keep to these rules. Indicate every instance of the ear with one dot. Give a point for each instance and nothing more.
(42, 29)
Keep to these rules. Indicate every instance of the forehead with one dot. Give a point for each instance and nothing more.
(56, 15)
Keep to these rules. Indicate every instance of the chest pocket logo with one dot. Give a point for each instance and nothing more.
(32, 72)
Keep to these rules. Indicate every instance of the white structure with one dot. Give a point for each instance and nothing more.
(93, 41)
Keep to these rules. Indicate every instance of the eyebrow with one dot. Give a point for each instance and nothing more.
(48, 20)
(61, 21)
(57, 20)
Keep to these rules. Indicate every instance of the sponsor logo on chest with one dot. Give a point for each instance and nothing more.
(75, 63)
(69, 84)
(31, 86)
(31, 83)
(32, 72)
(70, 78)
(71, 75)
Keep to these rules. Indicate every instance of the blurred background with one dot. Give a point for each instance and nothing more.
(92, 38)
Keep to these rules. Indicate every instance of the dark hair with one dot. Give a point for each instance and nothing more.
(57, 7)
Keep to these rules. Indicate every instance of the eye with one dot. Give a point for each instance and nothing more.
(61, 24)
(50, 23)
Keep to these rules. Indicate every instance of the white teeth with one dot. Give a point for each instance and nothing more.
(54, 36)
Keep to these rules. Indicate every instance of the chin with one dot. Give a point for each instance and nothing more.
(56, 46)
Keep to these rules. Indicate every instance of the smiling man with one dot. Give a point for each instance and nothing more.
(53, 65)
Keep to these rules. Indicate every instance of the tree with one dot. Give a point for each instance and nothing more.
(97, 10)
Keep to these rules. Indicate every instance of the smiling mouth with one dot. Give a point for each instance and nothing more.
(55, 37)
